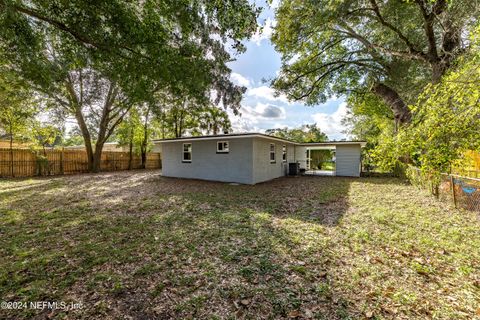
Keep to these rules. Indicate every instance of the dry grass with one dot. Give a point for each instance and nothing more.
(136, 245)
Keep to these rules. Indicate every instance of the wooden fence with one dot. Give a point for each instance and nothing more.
(28, 163)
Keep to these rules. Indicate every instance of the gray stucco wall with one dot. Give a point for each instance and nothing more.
(348, 160)
(235, 166)
(263, 169)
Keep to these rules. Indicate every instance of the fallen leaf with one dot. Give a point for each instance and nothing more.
(308, 313)
(294, 314)
(245, 302)
(369, 314)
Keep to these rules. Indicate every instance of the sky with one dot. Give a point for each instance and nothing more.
(260, 109)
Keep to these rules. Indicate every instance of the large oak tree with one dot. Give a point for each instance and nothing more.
(129, 50)
(389, 48)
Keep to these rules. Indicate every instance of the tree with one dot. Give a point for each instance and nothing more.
(129, 133)
(44, 134)
(128, 51)
(180, 116)
(305, 133)
(214, 120)
(96, 102)
(16, 109)
(446, 120)
(377, 47)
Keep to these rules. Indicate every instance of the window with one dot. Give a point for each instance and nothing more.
(272, 152)
(187, 152)
(284, 153)
(222, 147)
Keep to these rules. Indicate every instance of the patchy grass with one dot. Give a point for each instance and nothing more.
(137, 245)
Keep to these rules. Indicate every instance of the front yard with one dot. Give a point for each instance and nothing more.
(136, 245)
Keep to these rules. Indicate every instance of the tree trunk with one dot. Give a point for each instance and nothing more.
(103, 131)
(438, 70)
(145, 140)
(130, 150)
(77, 107)
(400, 110)
(86, 137)
(97, 157)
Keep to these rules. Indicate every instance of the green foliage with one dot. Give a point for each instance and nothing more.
(141, 46)
(321, 159)
(96, 60)
(137, 129)
(44, 134)
(306, 133)
(448, 118)
(213, 120)
(446, 122)
(375, 53)
(73, 140)
(179, 117)
(16, 106)
(336, 47)
(130, 131)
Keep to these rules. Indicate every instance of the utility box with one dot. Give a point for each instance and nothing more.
(293, 168)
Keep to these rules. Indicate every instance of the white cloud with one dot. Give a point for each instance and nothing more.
(275, 4)
(251, 117)
(237, 78)
(331, 124)
(265, 31)
(266, 93)
(262, 112)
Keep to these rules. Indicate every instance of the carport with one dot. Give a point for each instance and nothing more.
(346, 157)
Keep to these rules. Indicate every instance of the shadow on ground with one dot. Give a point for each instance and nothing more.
(135, 244)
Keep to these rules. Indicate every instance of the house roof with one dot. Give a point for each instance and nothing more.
(259, 135)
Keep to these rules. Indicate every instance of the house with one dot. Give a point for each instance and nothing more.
(247, 158)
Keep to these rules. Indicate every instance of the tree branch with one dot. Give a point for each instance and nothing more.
(428, 18)
(314, 84)
(77, 35)
(372, 46)
(409, 44)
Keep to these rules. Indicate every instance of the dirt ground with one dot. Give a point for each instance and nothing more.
(136, 245)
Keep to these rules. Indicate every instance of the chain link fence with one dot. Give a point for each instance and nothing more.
(463, 192)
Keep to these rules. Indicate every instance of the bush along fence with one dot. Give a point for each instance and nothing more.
(463, 192)
(29, 163)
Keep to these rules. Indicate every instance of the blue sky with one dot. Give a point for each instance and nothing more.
(260, 109)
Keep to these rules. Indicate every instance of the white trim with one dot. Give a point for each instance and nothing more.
(254, 135)
(229, 137)
(183, 151)
(222, 142)
(274, 152)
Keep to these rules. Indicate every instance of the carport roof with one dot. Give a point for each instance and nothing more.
(261, 135)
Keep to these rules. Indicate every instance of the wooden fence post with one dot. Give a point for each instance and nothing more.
(61, 161)
(452, 183)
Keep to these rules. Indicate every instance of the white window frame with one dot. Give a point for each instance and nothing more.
(284, 153)
(223, 147)
(184, 152)
(272, 152)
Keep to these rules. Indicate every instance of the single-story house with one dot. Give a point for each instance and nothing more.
(248, 158)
